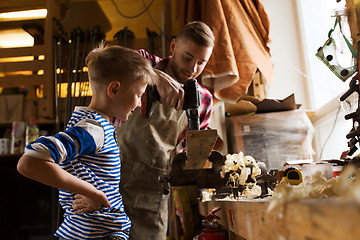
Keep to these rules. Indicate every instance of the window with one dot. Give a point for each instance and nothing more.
(316, 18)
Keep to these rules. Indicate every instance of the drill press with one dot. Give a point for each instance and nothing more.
(187, 166)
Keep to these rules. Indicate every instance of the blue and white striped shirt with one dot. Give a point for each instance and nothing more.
(88, 149)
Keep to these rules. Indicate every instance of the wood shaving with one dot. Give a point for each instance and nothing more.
(345, 187)
(240, 168)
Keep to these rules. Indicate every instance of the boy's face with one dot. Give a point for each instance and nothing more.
(128, 98)
(188, 59)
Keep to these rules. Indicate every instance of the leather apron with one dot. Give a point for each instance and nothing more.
(147, 148)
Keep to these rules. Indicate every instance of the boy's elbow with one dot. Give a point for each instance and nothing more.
(23, 166)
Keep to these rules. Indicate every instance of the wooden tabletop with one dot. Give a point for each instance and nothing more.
(308, 219)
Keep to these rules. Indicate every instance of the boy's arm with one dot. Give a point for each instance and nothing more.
(53, 175)
(41, 158)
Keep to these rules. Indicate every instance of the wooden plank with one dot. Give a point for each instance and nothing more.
(258, 86)
(47, 109)
(21, 80)
(321, 219)
(21, 66)
(20, 5)
(354, 21)
(199, 144)
(22, 51)
(19, 24)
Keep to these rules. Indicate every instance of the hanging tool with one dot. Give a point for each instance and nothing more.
(151, 40)
(78, 35)
(354, 133)
(125, 37)
(94, 37)
(59, 40)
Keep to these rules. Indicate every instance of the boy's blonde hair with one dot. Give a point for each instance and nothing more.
(117, 63)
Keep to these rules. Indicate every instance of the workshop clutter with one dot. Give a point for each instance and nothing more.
(14, 139)
(244, 178)
(17, 138)
(273, 138)
(242, 171)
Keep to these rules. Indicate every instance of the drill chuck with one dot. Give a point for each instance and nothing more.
(193, 116)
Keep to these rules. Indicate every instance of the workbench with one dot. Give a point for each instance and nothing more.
(308, 219)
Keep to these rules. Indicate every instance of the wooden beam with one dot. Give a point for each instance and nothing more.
(354, 21)
(21, 80)
(21, 5)
(47, 109)
(19, 24)
(22, 51)
(21, 66)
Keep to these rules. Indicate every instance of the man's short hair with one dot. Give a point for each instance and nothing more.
(108, 63)
(199, 33)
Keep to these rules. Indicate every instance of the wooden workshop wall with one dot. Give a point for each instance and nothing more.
(160, 15)
(41, 68)
(83, 14)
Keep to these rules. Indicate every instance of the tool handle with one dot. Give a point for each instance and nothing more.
(353, 133)
(151, 95)
(353, 86)
(211, 214)
(354, 115)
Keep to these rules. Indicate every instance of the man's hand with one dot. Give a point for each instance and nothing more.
(86, 204)
(171, 92)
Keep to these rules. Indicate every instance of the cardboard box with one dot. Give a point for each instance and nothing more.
(272, 138)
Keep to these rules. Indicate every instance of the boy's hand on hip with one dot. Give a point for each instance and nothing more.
(83, 203)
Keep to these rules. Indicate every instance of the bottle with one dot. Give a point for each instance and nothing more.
(17, 137)
(32, 131)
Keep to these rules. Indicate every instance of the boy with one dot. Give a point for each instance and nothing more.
(83, 162)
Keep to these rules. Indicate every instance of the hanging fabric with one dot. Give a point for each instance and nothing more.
(241, 29)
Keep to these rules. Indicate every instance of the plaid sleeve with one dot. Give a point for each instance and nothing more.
(153, 59)
(205, 107)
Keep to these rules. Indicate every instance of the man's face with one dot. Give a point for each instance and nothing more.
(188, 59)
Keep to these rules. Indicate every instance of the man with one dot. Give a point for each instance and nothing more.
(149, 145)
